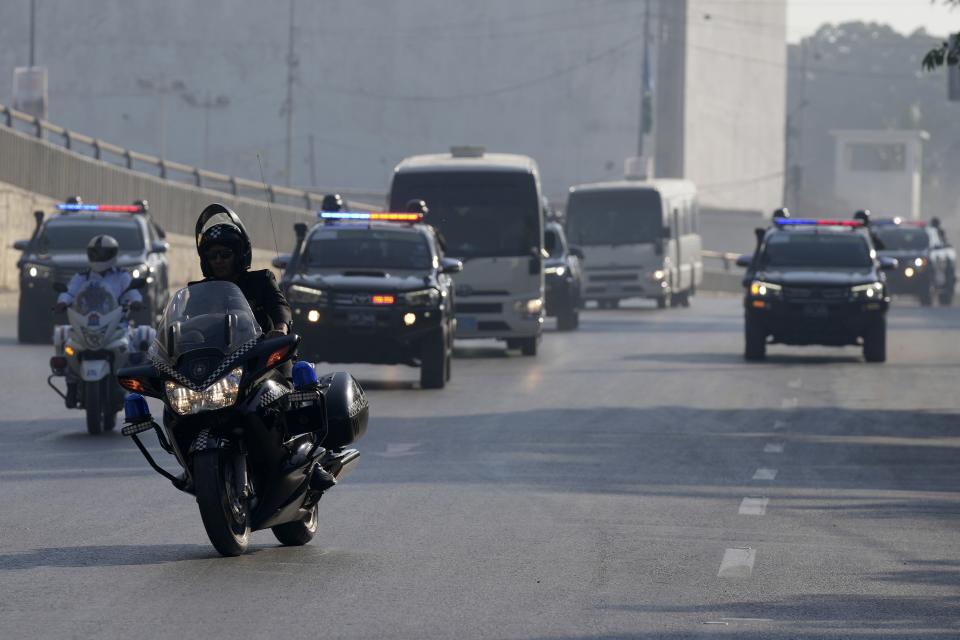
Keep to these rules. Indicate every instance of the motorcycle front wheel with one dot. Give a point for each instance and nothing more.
(298, 533)
(222, 509)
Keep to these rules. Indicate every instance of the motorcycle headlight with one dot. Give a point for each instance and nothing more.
(37, 271)
(306, 295)
(761, 289)
(872, 291)
(422, 298)
(221, 394)
(555, 271)
(140, 271)
(530, 307)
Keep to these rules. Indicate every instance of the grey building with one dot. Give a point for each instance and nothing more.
(375, 81)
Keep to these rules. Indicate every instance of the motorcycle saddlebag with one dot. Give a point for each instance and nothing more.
(347, 409)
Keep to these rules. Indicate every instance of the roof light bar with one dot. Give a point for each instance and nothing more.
(114, 208)
(384, 216)
(786, 222)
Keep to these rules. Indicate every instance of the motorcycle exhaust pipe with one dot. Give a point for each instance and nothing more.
(345, 464)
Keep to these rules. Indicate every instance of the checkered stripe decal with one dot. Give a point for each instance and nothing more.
(225, 366)
(273, 395)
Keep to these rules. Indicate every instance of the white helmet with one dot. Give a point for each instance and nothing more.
(102, 253)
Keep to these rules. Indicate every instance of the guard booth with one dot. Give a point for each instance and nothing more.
(879, 170)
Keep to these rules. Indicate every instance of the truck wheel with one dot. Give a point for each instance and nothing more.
(946, 294)
(926, 296)
(433, 361)
(664, 300)
(875, 341)
(755, 339)
(528, 346)
(568, 320)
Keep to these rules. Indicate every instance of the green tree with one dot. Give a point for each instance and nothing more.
(948, 52)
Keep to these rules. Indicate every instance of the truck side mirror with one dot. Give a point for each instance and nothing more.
(450, 265)
(21, 245)
(575, 250)
(281, 261)
(745, 260)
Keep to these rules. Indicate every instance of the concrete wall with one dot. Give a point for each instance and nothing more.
(734, 102)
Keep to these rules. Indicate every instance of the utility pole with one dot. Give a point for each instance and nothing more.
(291, 75)
(645, 90)
(33, 33)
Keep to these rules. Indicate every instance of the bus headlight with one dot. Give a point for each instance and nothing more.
(529, 308)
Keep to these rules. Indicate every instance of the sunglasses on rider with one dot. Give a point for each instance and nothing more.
(225, 254)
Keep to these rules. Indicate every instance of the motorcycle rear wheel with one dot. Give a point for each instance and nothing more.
(224, 513)
(299, 533)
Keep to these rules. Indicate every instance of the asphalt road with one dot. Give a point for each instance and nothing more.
(636, 480)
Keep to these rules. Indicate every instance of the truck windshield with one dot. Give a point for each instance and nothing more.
(479, 213)
(816, 250)
(73, 237)
(897, 239)
(334, 248)
(614, 217)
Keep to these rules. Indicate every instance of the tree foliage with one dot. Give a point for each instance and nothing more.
(948, 52)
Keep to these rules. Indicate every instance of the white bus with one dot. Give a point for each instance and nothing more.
(486, 207)
(640, 240)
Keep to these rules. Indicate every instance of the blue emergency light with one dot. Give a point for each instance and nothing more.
(382, 216)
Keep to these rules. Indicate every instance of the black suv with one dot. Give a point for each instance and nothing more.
(563, 278)
(927, 266)
(365, 290)
(816, 282)
(58, 249)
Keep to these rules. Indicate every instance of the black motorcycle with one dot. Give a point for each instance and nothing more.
(249, 445)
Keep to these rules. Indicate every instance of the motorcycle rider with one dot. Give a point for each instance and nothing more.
(332, 202)
(226, 254)
(102, 253)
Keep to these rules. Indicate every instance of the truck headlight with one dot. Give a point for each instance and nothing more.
(659, 274)
(920, 263)
(37, 271)
(221, 394)
(871, 291)
(555, 271)
(529, 308)
(306, 295)
(761, 289)
(422, 298)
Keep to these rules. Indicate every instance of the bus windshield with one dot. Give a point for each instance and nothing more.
(479, 213)
(614, 217)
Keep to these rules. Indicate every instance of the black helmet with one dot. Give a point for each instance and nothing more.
(219, 225)
(782, 212)
(935, 222)
(417, 206)
(74, 200)
(863, 216)
(332, 202)
(102, 252)
(143, 204)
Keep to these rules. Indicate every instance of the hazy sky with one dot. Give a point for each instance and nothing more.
(804, 16)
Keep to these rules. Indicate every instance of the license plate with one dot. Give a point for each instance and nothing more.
(362, 319)
(815, 311)
(466, 324)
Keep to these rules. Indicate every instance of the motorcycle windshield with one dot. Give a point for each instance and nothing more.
(94, 298)
(206, 315)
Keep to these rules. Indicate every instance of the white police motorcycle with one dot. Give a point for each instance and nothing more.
(98, 340)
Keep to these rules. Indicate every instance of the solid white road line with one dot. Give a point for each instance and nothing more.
(399, 450)
(773, 447)
(737, 563)
(753, 506)
(765, 474)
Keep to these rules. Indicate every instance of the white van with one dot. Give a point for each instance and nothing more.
(486, 207)
(640, 240)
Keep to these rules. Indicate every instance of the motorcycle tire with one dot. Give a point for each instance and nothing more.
(300, 532)
(433, 361)
(96, 404)
(224, 513)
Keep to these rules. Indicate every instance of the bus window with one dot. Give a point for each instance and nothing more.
(614, 217)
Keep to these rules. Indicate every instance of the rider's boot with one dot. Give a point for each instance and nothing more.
(71, 400)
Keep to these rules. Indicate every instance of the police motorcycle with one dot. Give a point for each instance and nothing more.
(255, 453)
(88, 351)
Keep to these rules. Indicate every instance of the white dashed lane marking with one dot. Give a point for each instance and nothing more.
(737, 563)
(773, 447)
(754, 506)
(779, 425)
(765, 474)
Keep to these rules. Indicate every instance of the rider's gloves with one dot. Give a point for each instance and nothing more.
(60, 307)
(136, 305)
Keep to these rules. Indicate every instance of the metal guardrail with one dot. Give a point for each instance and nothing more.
(164, 169)
(729, 259)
